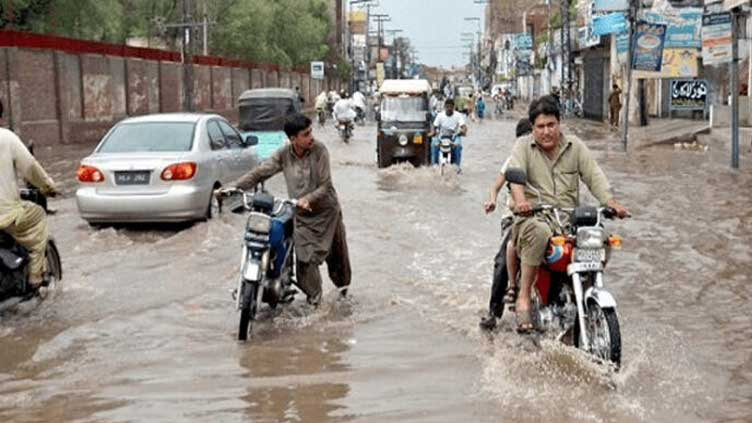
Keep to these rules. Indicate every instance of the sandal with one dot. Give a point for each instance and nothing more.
(524, 321)
(510, 295)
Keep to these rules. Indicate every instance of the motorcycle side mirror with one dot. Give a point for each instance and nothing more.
(516, 176)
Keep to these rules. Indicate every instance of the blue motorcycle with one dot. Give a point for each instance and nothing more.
(267, 264)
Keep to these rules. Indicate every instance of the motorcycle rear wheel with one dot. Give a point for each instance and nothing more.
(248, 312)
(602, 327)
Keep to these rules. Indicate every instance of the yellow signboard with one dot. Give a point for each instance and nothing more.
(677, 63)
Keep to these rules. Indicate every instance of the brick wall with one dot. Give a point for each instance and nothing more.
(58, 90)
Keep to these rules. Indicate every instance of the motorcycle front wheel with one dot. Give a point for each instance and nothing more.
(602, 327)
(248, 311)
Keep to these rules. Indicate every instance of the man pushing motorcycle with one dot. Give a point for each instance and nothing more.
(319, 229)
(554, 164)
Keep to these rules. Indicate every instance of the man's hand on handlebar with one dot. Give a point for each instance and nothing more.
(523, 208)
(225, 192)
(620, 210)
(304, 204)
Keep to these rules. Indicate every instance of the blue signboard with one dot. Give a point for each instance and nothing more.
(613, 23)
(622, 43)
(610, 5)
(523, 41)
(648, 46)
(683, 27)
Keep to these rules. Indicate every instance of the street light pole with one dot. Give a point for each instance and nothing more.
(187, 58)
(625, 113)
(734, 70)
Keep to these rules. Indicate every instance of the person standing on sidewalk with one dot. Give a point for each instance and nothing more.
(614, 103)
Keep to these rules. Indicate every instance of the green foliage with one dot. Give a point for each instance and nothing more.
(290, 33)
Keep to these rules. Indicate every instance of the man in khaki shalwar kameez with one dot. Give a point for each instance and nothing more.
(23, 220)
(554, 164)
(319, 230)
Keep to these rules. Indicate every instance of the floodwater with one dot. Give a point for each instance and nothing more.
(143, 328)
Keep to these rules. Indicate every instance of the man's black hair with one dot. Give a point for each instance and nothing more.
(449, 101)
(615, 86)
(524, 127)
(295, 123)
(546, 105)
(1, 109)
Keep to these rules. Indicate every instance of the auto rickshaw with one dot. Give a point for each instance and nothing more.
(404, 121)
(262, 113)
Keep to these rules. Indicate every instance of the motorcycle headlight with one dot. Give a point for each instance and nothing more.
(402, 140)
(259, 223)
(589, 238)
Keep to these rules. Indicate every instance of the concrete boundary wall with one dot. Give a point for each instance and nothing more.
(70, 91)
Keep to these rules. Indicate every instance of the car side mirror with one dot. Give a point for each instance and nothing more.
(250, 140)
(516, 176)
(378, 116)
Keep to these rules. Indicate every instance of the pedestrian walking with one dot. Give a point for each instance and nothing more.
(614, 103)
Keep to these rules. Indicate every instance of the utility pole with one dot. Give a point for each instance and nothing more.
(566, 71)
(625, 113)
(734, 70)
(187, 56)
(206, 30)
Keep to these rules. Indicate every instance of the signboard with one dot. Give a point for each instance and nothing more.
(613, 23)
(622, 46)
(683, 26)
(380, 74)
(610, 5)
(585, 38)
(317, 70)
(680, 63)
(689, 94)
(716, 38)
(523, 41)
(730, 4)
(647, 46)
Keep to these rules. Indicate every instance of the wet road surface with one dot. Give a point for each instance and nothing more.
(143, 327)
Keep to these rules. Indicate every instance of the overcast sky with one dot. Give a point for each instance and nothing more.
(433, 26)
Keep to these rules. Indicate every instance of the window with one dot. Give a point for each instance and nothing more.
(149, 136)
(234, 139)
(216, 138)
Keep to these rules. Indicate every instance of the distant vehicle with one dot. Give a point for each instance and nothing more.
(404, 121)
(162, 167)
(262, 113)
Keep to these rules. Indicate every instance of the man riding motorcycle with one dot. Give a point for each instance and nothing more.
(343, 112)
(23, 220)
(359, 103)
(554, 164)
(319, 229)
(448, 121)
(321, 106)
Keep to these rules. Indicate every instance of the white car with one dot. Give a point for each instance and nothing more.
(162, 168)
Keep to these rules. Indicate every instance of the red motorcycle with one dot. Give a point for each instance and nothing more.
(569, 298)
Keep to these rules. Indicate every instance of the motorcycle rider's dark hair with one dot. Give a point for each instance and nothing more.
(546, 105)
(296, 123)
(524, 127)
(449, 101)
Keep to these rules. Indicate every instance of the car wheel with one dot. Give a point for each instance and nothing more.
(214, 208)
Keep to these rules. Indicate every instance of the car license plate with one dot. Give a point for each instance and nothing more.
(132, 177)
(595, 255)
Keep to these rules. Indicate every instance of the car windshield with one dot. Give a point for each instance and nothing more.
(149, 136)
(403, 109)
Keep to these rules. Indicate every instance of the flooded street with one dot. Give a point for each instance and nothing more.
(142, 328)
